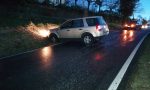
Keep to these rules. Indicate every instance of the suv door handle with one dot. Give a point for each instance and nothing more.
(68, 30)
(80, 29)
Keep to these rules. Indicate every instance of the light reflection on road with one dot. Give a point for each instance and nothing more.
(46, 56)
(127, 36)
(98, 56)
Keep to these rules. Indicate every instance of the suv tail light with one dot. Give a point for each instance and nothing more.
(98, 27)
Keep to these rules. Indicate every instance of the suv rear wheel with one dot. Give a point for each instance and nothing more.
(88, 39)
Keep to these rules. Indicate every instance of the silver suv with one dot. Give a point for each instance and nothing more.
(87, 29)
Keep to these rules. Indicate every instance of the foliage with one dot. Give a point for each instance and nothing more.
(144, 21)
(127, 7)
(121, 8)
(138, 76)
(76, 2)
(89, 2)
(99, 3)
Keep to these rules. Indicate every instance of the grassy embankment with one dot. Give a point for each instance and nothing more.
(17, 26)
(139, 75)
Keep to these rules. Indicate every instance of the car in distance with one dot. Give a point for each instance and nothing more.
(132, 25)
(148, 24)
(144, 26)
(87, 29)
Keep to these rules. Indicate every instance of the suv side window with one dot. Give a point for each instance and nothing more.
(101, 21)
(67, 24)
(91, 21)
(78, 23)
(94, 21)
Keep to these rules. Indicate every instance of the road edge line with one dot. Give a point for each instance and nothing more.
(27, 51)
(114, 85)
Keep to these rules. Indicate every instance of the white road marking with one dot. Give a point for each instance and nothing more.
(114, 85)
(28, 51)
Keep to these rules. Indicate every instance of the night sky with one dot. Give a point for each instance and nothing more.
(144, 9)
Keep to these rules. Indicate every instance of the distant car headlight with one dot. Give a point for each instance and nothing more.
(144, 27)
(126, 25)
(132, 25)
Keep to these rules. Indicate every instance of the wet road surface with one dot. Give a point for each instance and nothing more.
(70, 66)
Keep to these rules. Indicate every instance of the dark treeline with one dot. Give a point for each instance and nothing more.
(127, 7)
(113, 8)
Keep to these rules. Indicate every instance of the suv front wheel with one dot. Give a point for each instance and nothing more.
(53, 38)
(88, 39)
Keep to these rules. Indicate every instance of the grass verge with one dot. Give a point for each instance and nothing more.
(20, 39)
(19, 28)
(139, 77)
(17, 40)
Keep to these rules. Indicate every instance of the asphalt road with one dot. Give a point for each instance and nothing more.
(70, 66)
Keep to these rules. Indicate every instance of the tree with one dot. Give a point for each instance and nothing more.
(15, 3)
(99, 3)
(76, 2)
(47, 2)
(113, 6)
(89, 2)
(94, 5)
(144, 21)
(60, 3)
(127, 7)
